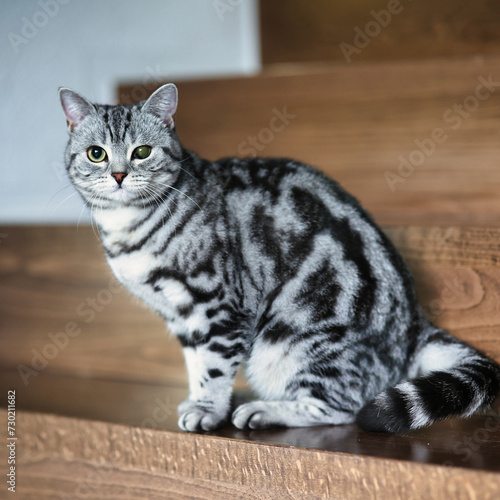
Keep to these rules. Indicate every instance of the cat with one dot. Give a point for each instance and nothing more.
(271, 264)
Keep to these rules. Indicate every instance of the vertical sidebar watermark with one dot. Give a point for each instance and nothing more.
(11, 441)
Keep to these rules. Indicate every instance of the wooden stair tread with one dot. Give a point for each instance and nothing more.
(61, 455)
(94, 410)
(473, 443)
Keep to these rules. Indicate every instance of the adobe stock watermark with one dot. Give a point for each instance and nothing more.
(153, 76)
(87, 310)
(450, 293)
(91, 482)
(59, 169)
(160, 414)
(254, 144)
(452, 119)
(31, 27)
(468, 445)
(223, 7)
(363, 37)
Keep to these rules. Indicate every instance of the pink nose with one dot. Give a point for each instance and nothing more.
(119, 178)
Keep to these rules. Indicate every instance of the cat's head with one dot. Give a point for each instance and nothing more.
(124, 154)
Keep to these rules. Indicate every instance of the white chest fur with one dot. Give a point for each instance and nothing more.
(133, 269)
(118, 220)
(166, 295)
(130, 268)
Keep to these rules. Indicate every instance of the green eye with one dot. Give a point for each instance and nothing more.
(141, 152)
(96, 154)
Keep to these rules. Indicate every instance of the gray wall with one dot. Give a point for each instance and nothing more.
(91, 46)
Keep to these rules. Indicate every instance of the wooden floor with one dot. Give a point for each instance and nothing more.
(98, 379)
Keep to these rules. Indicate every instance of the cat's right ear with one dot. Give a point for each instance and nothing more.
(75, 107)
(163, 104)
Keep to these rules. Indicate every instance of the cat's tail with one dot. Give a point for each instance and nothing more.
(448, 378)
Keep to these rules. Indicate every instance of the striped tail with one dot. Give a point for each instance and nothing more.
(451, 379)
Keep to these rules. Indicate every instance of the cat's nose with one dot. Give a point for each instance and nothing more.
(119, 177)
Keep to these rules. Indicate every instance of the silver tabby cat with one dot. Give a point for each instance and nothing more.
(270, 264)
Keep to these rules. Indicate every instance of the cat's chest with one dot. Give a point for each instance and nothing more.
(129, 257)
(141, 274)
(133, 270)
(163, 279)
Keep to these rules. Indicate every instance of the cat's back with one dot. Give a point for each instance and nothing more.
(273, 177)
(289, 191)
(289, 218)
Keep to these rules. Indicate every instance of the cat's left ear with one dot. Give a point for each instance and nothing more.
(163, 103)
(75, 107)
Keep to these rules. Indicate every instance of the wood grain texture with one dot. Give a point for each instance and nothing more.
(48, 275)
(356, 123)
(60, 455)
(300, 30)
(123, 369)
(472, 444)
(58, 276)
(457, 276)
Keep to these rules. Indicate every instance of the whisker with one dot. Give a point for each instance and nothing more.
(158, 199)
(86, 204)
(170, 199)
(93, 222)
(168, 186)
(191, 155)
(63, 201)
(187, 172)
(55, 194)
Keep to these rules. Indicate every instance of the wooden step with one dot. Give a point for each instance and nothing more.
(69, 457)
(410, 139)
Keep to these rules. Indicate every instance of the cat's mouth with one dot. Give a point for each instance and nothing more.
(126, 194)
(121, 193)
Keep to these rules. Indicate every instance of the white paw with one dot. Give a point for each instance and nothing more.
(193, 418)
(185, 406)
(255, 415)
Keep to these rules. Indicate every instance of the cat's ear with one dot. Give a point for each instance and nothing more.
(75, 107)
(163, 103)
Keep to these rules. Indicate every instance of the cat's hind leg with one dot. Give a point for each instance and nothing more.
(301, 413)
(297, 381)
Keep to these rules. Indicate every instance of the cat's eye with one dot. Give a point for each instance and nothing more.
(141, 152)
(96, 154)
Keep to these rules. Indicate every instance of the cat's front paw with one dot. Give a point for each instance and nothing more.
(185, 406)
(195, 417)
(254, 415)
